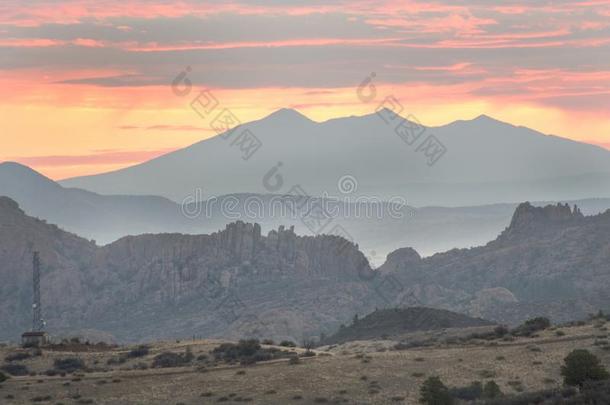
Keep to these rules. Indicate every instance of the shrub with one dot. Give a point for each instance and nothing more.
(491, 390)
(17, 356)
(529, 327)
(42, 398)
(434, 392)
(139, 351)
(288, 343)
(3, 377)
(116, 360)
(69, 364)
(268, 342)
(501, 330)
(469, 393)
(246, 352)
(15, 369)
(169, 359)
(582, 366)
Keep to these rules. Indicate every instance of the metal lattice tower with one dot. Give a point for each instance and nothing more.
(37, 321)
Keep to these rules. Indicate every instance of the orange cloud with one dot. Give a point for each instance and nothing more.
(97, 158)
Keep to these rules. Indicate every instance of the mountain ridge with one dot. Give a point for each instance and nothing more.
(237, 282)
(316, 155)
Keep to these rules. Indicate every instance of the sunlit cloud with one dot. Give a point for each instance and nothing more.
(81, 76)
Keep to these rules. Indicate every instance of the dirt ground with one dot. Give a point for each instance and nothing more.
(365, 372)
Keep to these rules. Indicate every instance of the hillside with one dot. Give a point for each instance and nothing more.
(551, 261)
(371, 372)
(104, 218)
(377, 230)
(237, 282)
(393, 322)
(230, 283)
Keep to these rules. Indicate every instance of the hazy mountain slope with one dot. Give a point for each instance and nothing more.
(90, 215)
(429, 230)
(66, 256)
(550, 261)
(229, 283)
(107, 218)
(487, 161)
(237, 282)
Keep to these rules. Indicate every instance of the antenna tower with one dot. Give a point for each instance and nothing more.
(37, 321)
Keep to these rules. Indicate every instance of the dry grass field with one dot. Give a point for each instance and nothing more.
(365, 372)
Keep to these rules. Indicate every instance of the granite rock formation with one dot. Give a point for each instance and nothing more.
(237, 282)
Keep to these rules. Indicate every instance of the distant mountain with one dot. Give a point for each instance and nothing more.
(90, 215)
(393, 322)
(486, 161)
(551, 261)
(368, 222)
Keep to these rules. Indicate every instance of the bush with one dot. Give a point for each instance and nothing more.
(531, 326)
(232, 351)
(169, 359)
(15, 369)
(582, 366)
(69, 364)
(434, 392)
(17, 356)
(116, 360)
(469, 393)
(288, 343)
(491, 390)
(3, 377)
(246, 352)
(139, 351)
(501, 331)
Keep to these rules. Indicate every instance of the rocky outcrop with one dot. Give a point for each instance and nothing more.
(550, 261)
(529, 220)
(237, 282)
(168, 285)
(402, 260)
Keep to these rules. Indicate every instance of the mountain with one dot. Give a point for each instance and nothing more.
(231, 283)
(377, 229)
(91, 215)
(550, 261)
(486, 161)
(392, 322)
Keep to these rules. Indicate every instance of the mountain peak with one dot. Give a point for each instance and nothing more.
(18, 170)
(484, 117)
(529, 219)
(9, 165)
(287, 114)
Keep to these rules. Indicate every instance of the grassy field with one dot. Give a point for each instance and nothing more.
(364, 372)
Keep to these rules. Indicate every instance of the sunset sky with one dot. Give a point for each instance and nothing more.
(86, 86)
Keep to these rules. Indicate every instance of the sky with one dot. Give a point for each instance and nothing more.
(87, 85)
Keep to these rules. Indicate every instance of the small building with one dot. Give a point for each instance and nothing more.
(34, 339)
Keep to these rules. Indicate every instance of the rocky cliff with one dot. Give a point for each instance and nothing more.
(238, 282)
(550, 261)
(230, 283)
